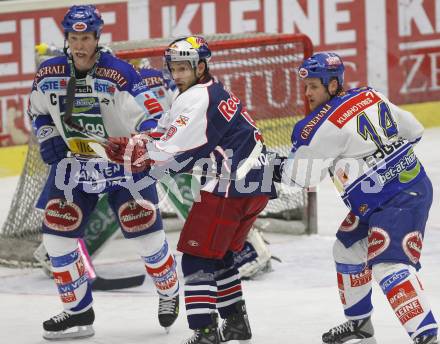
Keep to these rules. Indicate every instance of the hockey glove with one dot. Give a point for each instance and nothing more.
(131, 151)
(52, 145)
(278, 165)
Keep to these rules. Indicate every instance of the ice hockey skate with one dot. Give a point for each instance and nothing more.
(168, 311)
(236, 326)
(67, 326)
(429, 339)
(205, 335)
(352, 331)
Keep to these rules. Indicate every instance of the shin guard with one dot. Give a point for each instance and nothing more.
(69, 273)
(159, 263)
(406, 297)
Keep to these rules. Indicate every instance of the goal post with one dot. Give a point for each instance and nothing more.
(261, 70)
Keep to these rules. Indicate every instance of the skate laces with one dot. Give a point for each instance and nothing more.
(194, 337)
(346, 327)
(224, 325)
(167, 306)
(60, 317)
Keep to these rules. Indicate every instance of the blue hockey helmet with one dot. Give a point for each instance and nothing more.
(324, 66)
(188, 48)
(83, 19)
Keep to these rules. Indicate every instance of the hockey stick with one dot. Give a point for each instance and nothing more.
(104, 284)
(99, 149)
(68, 114)
(241, 172)
(98, 283)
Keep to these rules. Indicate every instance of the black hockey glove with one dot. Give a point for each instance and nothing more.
(278, 165)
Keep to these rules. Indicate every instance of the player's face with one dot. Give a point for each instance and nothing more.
(83, 48)
(183, 75)
(315, 92)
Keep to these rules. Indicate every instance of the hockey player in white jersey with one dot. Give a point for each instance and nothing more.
(208, 123)
(366, 142)
(110, 99)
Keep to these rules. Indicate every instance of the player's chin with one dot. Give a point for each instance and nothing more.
(181, 87)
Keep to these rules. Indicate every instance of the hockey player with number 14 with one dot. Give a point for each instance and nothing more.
(366, 143)
(110, 99)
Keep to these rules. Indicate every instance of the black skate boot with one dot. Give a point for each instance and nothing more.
(168, 311)
(65, 325)
(236, 326)
(206, 335)
(427, 339)
(362, 330)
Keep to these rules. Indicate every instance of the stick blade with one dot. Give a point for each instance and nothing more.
(70, 98)
(244, 169)
(101, 283)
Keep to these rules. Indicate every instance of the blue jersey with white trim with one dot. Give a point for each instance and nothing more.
(366, 143)
(208, 127)
(111, 100)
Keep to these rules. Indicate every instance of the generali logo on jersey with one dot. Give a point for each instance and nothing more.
(308, 128)
(352, 107)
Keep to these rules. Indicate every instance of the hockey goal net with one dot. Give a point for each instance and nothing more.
(261, 69)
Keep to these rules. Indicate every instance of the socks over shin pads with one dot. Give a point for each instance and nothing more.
(69, 273)
(161, 267)
(406, 297)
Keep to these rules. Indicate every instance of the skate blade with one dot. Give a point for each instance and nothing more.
(71, 333)
(167, 329)
(370, 340)
(246, 341)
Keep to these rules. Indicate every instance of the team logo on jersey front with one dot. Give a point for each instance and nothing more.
(412, 246)
(228, 108)
(378, 242)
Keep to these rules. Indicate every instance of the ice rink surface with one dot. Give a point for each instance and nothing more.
(294, 303)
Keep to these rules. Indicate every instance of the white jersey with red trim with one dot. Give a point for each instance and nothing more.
(208, 127)
(366, 143)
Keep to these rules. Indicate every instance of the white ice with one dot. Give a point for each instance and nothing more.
(294, 303)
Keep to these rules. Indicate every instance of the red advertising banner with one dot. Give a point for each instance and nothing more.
(391, 45)
(414, 50)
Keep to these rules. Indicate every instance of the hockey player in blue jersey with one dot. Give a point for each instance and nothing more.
(208, 123)
(366, 143)
(111, 99)
(161, 86)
